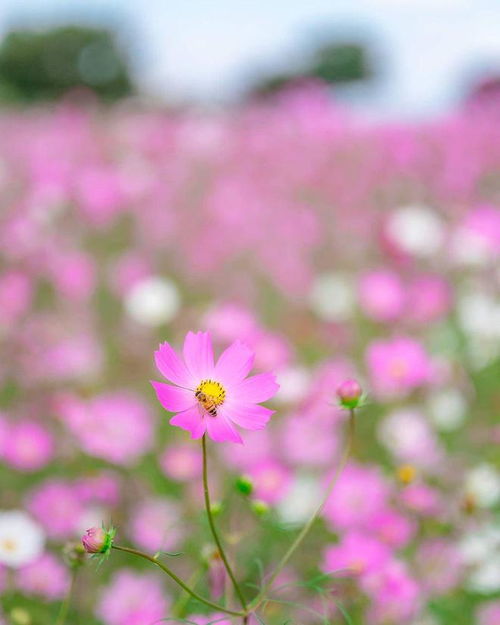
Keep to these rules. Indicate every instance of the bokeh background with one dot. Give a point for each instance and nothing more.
(319, 179)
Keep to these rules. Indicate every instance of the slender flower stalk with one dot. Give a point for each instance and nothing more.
(213, 528)
(307, 527)
(63, 612)
(178, 580)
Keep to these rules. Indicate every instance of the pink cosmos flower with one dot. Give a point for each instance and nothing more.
(156, 524)
(397, 366)
(181, 463)
(133, 599)
(382, 295)
(396, 596)
(356, 554)
(489, 613)
(210, 397)
(30, 446)
(359, 496)
(46, 577)
(56, 505)
(272, 480)
(440, 565)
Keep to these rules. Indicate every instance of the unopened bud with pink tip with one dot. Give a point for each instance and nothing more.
(350, 394)
(98, 540)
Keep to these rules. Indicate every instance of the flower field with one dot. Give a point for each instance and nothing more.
(279, 259)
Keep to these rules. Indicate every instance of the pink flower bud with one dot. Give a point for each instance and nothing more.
(349, 393)
(95, 540)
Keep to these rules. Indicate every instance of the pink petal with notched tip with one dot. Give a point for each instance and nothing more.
(198, 355)
(219, 429)
(257, 388)
(172, 367)
(190, 420)
(250, 417)
(234, 363)
(174, 398)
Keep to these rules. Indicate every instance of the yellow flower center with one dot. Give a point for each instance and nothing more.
(8, 544)
(210, 394)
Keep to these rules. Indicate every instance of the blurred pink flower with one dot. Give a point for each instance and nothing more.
(382, 295)
(133, 598)
(489, 613)
(156, 524)
(306, 441)
(117, 426)
(360, 494)
(396, 596)
(47, 577)
(56, 505)
(422, 499)
(103, 487)
(29, 446)
(210, 397)
(16, 292)
(397, 366)
(271, 480)
(356, 554)
(393, 528)
(439, 564)
(429, 299)
(181, 463)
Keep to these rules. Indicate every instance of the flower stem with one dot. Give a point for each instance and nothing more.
(213, 529)
(63, 612)
(178, 580)
(307, 527)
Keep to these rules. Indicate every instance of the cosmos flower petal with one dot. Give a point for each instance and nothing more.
(198, 354)
(170, 365)
(191, 421)
(173, 398)
(219, 429)
(250, 417)
(257, 388)
(234, 363)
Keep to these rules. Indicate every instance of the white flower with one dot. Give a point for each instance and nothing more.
(417, 230)
(294, 382)
(447, 409)
(332, 297)
(153, 301)
(407, 435)
(480, 544)
(483, 484)
(300, 501)
(486, 578)
(21, 539)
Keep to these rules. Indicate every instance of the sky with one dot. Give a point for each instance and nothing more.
(429, 51)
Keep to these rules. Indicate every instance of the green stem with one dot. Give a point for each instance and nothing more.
(212, 526)
(63, 612)
(178, 580)
(307, 527)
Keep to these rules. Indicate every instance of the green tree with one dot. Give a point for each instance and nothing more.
(44, 65)
(334, 63)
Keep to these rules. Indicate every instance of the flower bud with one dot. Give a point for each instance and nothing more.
(259, 507)
(98, 540)
(215, 508)
(244, 485)
(350, 394)
(20, 616)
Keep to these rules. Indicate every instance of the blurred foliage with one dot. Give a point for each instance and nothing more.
(333, 63)
(45, 65)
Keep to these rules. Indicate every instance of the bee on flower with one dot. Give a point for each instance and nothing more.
(212, 397)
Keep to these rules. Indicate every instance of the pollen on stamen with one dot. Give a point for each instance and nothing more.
(212, 391)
